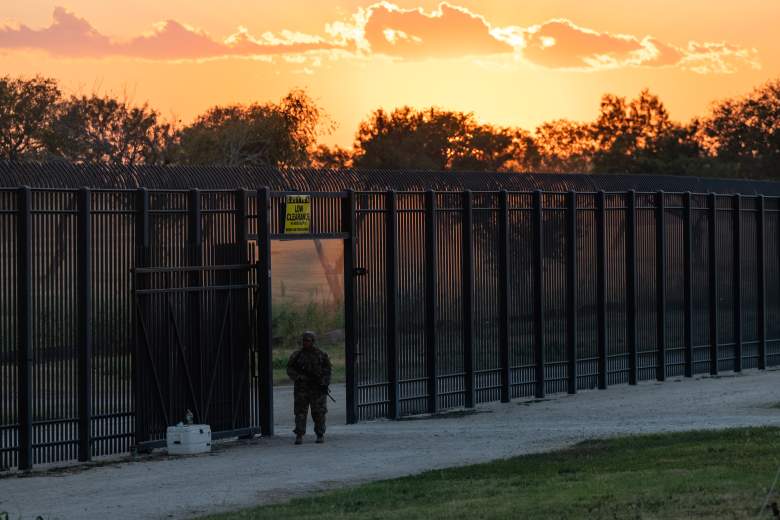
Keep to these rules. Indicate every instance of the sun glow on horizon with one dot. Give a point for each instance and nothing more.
(508, 65)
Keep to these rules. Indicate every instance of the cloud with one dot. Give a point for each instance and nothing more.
(68, 35)
(718, 58)
(456, 32)
(71, 36)
(448, 32)
(384, 29)
(560, 44)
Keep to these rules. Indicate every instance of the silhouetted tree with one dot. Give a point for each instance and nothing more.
(564, 146)
(490, 148)
(327, 157)
(744, 133)
(407, 138)
(625, 132)
(106, 130)
(740, 136)
(435, 139)
(677, 152)
(27, 109)
(270, 134)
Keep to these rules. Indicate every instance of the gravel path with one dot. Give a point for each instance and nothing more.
(253, 472)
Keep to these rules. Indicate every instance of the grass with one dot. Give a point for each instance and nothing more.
(722, 474)
(290, 320)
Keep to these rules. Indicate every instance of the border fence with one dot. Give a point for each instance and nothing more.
(452, 299)
(484, 296)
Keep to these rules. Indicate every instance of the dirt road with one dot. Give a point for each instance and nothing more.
(264, 470)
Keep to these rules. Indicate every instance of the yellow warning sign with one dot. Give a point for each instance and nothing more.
(297, 215)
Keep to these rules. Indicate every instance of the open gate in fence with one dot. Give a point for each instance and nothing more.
(193, 349)
(195, 306)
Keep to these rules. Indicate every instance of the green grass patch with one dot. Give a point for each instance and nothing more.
(290, 320)
(722, 474)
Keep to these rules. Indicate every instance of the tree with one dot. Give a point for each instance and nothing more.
(435, 139)
(495, 149)
(625, 133)
(407, 138)
(745, 132)
(634, 136)
(27, 108)
(256, 135)
(108, 131)
(677, 152)
(564, 146)
(325, 157)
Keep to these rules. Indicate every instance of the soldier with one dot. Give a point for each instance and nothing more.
(310, 368)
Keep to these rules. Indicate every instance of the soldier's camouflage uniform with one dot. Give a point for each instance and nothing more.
(310, 369)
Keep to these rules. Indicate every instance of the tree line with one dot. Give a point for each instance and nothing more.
(739, 137)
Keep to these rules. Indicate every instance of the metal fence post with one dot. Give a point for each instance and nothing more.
(85, 324)
(713, 275)
(240, 256)
(348, 225)
(631, 286)
(195, 236)
(468, 299)
(571, 292)
(660, 285)
(142, 242)
(242, 225)
(503, 277)
(24, 325)
(391, 304)
(538, 276)
(688, 285)
(431, 289)
(601, 289)
(737, 200)
(264, 332)
(761, 260)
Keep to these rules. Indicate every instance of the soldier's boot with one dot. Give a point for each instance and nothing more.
(299, 439)
(320, 439)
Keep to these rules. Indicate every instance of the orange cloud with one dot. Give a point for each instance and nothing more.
(717, 58)
(561, 44)
(71, 36)
(68, 35)
(449, 32)
(455, 32)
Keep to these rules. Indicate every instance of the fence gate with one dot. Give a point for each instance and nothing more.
(194, 348)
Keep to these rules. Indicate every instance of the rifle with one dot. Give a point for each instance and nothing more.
(310, 376)
(331, 397)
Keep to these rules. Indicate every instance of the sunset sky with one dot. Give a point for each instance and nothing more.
(513, 63)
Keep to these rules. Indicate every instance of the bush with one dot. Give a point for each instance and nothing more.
(290, 320)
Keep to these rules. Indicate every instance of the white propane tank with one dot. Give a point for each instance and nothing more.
(188, 439)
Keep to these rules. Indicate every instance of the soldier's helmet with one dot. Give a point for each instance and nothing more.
(310, 336)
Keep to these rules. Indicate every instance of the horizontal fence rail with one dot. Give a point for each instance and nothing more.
(454, 298)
